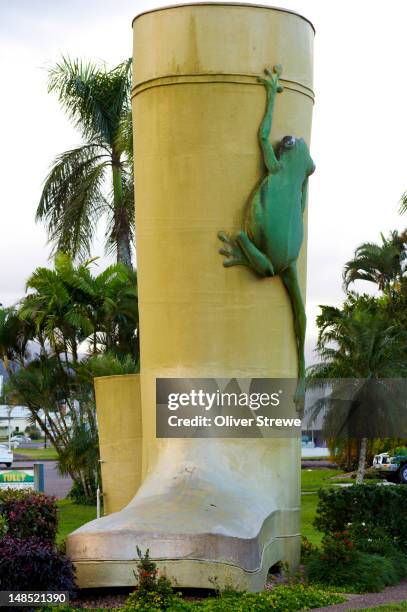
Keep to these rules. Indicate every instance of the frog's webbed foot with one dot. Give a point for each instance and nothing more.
(232, 252)
(276, 70)
(272, 82)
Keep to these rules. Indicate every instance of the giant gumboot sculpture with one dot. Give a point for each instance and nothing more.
(224, 508)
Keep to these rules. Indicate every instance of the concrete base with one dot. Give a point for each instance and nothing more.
(193, 573)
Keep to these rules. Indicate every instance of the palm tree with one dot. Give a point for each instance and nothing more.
(69, 305)
(382, 264)
(60, 397)
(94, 179)
(15, 335)
(360, 350)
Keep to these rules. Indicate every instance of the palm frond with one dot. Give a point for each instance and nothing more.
(403, 204)
(72, 199)
(94, 98)
(378, 263)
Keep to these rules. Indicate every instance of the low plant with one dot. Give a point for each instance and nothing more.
(364, 573)
(360, 558)
(279, 599)
(307, 548)
(3, 525)
(79, 496)
(31, 565)
(33, 432)
(377, 506)
(398, 450)
(29, 514)
(338, 548)
(153, 592)
(371, 474)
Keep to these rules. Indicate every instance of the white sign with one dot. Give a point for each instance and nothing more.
(17, 479)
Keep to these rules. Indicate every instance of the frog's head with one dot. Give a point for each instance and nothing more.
(294, 151)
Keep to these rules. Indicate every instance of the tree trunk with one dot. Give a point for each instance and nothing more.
(122, 229)
(123, 251)
(362, 461)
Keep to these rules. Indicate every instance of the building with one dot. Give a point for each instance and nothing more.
(13, 419)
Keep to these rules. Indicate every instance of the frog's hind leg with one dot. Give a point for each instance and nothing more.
(290, 279)
(257, 261)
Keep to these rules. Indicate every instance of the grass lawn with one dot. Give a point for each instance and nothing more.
(308, 508)
(312, 480)
(37, 453)
(72, 516)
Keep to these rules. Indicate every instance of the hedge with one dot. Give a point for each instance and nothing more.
(32, 565)
(29, 514)
(376, 505)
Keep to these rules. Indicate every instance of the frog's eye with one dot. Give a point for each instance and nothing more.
(288, 142)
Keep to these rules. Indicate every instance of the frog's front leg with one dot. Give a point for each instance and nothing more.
(241, 251)
(234, 256)
(290, 280)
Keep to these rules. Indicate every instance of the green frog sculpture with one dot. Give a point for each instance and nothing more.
(273, 228)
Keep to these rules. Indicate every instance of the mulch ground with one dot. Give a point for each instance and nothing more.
(100, 598)
(369, 600)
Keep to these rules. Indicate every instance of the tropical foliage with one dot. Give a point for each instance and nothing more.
(72, 326)
(384, 264)
(93, 180)
(69, 306)
(361, 353)
(362, 348)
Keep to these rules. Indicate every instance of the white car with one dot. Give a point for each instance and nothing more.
(20, 438)
(6, 455)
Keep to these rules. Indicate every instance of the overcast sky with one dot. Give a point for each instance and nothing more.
(358, 141)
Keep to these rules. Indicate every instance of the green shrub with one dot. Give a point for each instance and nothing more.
(154, 592)
(375, 541)
(280, 599)
(67, 608)
(364, 572)
(3, 525)
(33, 432)
(371, 474)
(372, 539)
(361, 557)
(78, 495)
(376, 506)
(337, 548)
(307, 548)
(29, 514)
(399, 450)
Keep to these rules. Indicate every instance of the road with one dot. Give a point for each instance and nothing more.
(55, 484)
